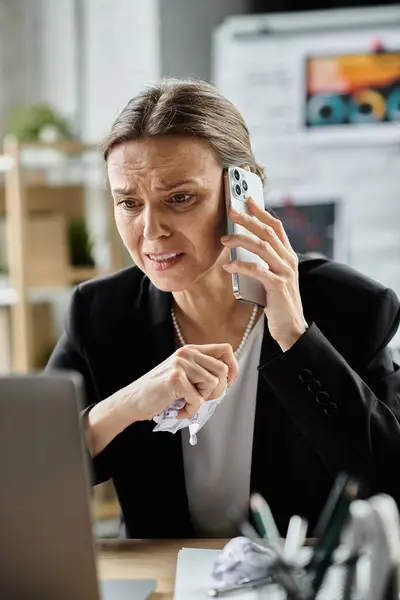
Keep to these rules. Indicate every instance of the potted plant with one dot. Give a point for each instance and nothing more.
(80, 244)
(38, 122)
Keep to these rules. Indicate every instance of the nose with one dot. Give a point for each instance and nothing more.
(155, 225)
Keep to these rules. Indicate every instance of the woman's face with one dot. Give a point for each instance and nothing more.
(169, 207)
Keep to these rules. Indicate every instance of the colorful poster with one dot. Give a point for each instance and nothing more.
(352, 89)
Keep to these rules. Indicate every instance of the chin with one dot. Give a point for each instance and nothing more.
(168, 284)
(177, 279)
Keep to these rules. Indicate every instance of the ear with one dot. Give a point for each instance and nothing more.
(245, 167)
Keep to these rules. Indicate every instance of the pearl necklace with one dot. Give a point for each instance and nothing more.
(243, 341)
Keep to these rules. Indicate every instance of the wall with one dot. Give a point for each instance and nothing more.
(19, 81)
(121, 57)
(58, 55)
(185, 29)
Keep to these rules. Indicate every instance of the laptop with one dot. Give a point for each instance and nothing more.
(46, 536)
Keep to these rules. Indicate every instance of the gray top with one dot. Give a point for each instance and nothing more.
(218, 468)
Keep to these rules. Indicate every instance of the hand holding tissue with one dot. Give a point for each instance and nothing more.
(167, 420)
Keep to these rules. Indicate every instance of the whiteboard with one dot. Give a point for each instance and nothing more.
(259, 63)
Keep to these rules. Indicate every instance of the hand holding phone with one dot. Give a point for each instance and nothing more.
(240, 185)
(264, 266)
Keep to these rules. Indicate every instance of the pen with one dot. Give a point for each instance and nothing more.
(334, 497)
(263, 517)
(246, 585)
(329, 527)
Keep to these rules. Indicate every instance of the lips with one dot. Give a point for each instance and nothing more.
(163, 257)
(161, 262)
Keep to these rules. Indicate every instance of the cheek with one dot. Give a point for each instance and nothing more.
(127, 229)
(208, 231)
(218, 220)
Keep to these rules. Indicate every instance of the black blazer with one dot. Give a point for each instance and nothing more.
(331, 403)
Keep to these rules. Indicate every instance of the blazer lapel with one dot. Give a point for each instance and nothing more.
(167, 446)
(160, 323)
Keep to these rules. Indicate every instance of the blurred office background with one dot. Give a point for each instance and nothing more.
(320, 90)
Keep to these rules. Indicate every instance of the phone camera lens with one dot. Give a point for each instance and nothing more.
(236, 175)
(238, 190)
(245, 186)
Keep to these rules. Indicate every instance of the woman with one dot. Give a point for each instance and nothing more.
(313, 391)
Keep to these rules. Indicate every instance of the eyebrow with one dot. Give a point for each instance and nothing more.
(123, 191)
(170, 186)
(128, 191)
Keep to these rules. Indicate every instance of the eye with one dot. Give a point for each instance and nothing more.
(181, 198)
(127, 204)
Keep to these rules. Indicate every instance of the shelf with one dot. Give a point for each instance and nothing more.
(8, 296)
(67, 199)
(75, 275)
(64, 146)
(40, 193)
(5, 163)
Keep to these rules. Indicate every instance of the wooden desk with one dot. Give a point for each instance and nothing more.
(147, 559)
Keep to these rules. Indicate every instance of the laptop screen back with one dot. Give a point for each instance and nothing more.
(46, 548)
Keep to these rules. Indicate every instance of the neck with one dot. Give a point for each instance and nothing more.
(208, 312)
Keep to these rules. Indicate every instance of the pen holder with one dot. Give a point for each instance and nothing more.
(357, 558)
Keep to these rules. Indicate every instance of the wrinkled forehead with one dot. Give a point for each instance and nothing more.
(162, 162)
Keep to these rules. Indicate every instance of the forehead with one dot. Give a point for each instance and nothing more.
(162, 160)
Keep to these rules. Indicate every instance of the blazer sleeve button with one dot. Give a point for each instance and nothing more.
(322, 398)
(314, 386)
(305, 375)
(330, 409)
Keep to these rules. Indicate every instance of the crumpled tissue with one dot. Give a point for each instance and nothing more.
(242, 560)
(167, 419)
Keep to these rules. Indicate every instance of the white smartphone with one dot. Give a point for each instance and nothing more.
(241, 184)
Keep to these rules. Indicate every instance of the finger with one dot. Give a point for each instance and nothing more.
(187, 413)
(191, 408)
(217, 367)
(181, 387)
(271, 281)
(223, 352)
(265, 217)
(194, 401)
(213, 365)
(263, 249)
(262, 231)
(204, 381)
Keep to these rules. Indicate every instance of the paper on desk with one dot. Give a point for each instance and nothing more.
(193, 579)
(126, 589)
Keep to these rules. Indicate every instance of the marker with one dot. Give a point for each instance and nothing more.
(263, 518)
(295, 537)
